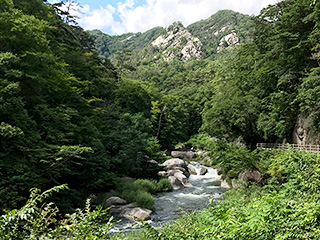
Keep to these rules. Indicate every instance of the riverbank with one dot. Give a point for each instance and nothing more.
(285, 207)
(170, 206)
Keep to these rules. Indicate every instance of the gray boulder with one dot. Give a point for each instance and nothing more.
(224, 184)
(203, 171)
(175, 183)
(174, 162)
(183, 179)
(116, 201)
(253, 176)
(136, 214)
(119, 209)
(163, 174)
(183, 154)
(183, 170)
(192, 170)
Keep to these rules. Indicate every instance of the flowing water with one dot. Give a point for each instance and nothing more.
(172, 205)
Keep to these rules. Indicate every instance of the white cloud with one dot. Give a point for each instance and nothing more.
(126, 17)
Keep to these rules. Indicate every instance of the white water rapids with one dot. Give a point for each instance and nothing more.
(172, 205)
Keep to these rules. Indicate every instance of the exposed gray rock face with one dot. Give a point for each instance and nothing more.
(177, 173)
(116, 201)
(184, 171)
(175, 183)
(253, 176)
(136, 214)
(178, 42)
(203, 171)
(174, 162)
(183, 179)
(224, 184)
(119, 209)
(192, 170)
(183, 154)
(228, 41)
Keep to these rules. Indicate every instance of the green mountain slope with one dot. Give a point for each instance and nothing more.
(199, 40)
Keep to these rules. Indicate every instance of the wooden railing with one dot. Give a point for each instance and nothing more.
(308, 148)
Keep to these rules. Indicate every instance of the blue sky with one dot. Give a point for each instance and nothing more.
(122, 16)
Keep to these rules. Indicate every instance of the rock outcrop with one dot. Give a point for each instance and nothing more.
(177, 172)
(177, 42)
(228, 41)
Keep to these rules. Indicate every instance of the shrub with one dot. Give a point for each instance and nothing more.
(144, 199)
(164, 185)
(149, 186)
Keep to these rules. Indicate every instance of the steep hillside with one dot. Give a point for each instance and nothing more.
(199, 40)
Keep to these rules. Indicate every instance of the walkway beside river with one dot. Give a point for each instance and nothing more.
(307, 148)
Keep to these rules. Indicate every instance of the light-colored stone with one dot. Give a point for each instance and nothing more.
(136, 214)
(178, 42)
(224, 184)
(175, 183)
(174, 162)
(119, 209)
(116, 201)
(183, 170)
(163, 174)
(192, 170)
(203, 171)
(183, 179)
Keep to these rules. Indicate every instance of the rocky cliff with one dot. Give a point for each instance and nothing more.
(199, 40)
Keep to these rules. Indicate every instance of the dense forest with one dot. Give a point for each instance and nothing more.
(86, 109)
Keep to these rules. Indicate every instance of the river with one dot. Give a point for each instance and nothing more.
(172, 205)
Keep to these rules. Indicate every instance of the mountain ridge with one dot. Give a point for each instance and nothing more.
(202, 39)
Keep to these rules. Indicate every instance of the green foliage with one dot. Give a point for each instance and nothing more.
(141, 190)
(287, 210)
(40, 220)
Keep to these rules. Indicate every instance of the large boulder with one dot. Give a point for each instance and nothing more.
(183, 154)
(174, 162)
(175, 183)
(136, 214)
(192, 170)
(163, 174)
(253, 176)
(203, 171)
(119, 209)
(175, 169)
(116, 201)
(183, 179)
(224, 184)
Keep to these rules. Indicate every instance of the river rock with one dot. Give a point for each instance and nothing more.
(116, 201)
(136, 214)
(183, 179)
(174, 162)
(253, 176)
(163, 174)
(183, 154)
(224, 184)
(119, 209)
(175, 183)
(192, 170)
(203, 171)
(183, 170)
